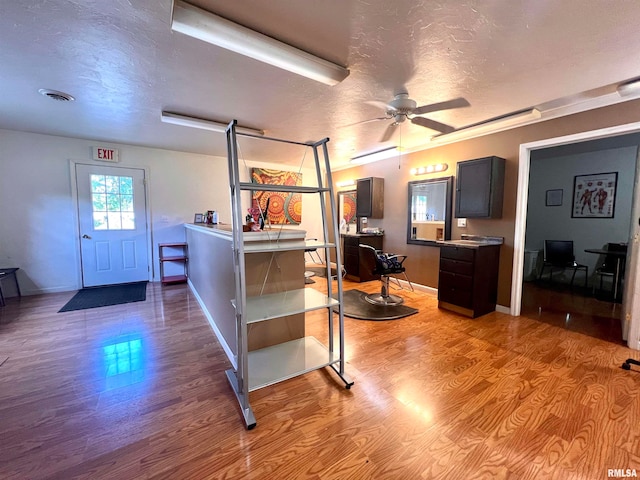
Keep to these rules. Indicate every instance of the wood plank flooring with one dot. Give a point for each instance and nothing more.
(139, 391)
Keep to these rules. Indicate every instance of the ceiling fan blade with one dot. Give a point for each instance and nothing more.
(434, 107)
(432, 124)
(364, 121)
(381, 105)
(388, 133)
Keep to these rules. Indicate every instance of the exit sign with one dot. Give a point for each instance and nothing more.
(106, 154)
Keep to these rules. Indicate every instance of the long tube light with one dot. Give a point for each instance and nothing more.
(206, 26)
(491, 126)
(628, 89)
(184, 121)
(375, 156)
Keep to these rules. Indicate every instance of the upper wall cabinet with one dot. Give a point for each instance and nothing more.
(370, 197)
(480, 188)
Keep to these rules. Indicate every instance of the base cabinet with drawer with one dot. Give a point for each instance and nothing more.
(468, 279)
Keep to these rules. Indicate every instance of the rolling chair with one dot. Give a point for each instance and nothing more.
(386, 265)
(558, 254)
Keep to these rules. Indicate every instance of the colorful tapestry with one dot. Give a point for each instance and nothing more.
(284, 208)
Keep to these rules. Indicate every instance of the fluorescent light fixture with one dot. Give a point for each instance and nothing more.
(184, 121)
(208, 27)
(491, 126)
(345, 183)
(628, 89)
(375, 156)
(438, 167)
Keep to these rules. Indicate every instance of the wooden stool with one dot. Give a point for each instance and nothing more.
(4, 273)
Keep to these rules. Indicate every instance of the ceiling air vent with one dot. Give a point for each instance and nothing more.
(56, 95)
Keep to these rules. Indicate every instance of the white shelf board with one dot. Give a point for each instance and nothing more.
(276, 305)
(287, 360)
(283, 246)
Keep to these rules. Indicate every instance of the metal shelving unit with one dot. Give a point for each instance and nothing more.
(270, 365)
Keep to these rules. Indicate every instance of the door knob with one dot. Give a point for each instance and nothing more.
(86, 236)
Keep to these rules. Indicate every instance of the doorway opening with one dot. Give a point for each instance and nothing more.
(629, 328)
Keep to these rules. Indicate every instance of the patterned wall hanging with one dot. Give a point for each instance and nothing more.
(284, 208)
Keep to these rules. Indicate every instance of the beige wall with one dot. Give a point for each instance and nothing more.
(423, 261)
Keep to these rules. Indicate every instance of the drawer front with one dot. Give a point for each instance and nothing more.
(451, 281)
(456, 266)
(462, 298)
(457, 253)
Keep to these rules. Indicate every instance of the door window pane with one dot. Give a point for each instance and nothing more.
(112, 202)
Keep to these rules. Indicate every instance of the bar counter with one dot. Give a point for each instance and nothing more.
(211, 278)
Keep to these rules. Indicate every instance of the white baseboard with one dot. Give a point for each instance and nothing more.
(225, 346)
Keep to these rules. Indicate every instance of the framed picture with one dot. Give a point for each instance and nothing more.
(554, 198)
(199, 218)
(594, 196)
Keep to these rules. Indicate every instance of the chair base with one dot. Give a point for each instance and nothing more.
(386, 300)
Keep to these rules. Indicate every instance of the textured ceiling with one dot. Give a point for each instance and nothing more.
(124, 65)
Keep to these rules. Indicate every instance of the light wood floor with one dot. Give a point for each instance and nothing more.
(139, 391)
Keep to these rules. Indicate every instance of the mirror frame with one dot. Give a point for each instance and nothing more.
(448, 214)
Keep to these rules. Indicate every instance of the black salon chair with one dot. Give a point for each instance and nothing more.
(558, 254)
(386, 265)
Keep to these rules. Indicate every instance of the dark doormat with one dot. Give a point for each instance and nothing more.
(355, 306)
(104, 296)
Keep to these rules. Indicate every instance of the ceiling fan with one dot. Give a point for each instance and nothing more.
(403, 108)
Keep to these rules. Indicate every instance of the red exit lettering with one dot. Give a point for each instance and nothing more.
(105, 154)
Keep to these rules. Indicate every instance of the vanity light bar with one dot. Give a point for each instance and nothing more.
(438, 167)
(345, 183)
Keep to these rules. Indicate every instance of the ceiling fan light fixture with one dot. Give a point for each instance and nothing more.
(375, 156)
(211, 28)
(212, 126)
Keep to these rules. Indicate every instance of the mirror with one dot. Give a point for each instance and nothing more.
(429, 210)
(347, 211)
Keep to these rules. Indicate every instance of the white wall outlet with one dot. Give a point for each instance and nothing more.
(164, 219)
(462, 222)
(364, 220)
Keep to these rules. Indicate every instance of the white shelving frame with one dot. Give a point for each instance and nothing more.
(270, 365)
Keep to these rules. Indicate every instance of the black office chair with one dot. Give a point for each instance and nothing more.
(558, 254)
(385, 265)
(611, 264)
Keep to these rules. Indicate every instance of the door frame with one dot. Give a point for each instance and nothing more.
(522, 199)
(76, 215)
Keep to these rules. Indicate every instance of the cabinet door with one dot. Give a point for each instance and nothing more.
(479, 188)
(370, 197)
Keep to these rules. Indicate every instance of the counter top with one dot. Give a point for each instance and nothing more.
(361, 234)
(472, 241)
(272, 234)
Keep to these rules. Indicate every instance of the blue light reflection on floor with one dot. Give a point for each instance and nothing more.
(124, 362)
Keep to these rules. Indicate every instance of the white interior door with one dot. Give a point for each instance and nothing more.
(113, 225)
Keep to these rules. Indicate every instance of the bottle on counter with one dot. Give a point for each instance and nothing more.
(215, 217)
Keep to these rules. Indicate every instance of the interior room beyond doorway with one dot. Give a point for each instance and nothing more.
(554, 213)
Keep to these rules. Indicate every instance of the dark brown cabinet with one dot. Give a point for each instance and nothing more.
(370, 197)
(480, 188)
(468, 280)
(353, 264)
